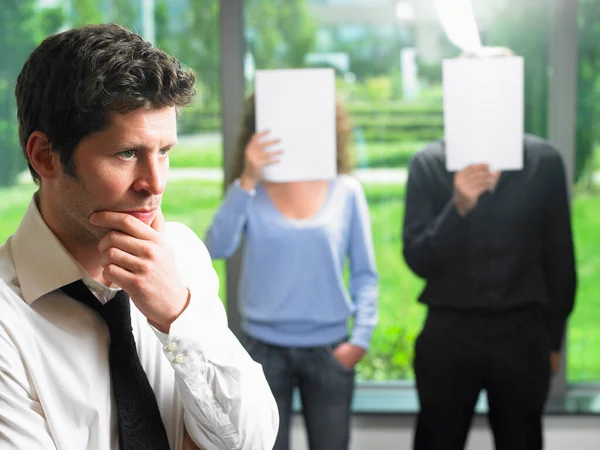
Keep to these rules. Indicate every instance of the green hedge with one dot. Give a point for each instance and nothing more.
(386, 122)
(396, 108)
(193, 121)
(383, 134)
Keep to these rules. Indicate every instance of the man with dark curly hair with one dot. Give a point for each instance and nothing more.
(112, 334)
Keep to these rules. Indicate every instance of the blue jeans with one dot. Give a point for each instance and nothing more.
(326, 389)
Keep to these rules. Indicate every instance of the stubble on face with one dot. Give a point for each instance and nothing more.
(77, 206)
(107, 176)
(79, 203)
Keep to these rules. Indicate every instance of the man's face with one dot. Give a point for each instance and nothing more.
(122, 168)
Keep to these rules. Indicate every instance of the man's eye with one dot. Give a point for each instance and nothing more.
(127, 154)
(164, 151)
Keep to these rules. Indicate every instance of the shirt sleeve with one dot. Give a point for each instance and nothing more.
(23, 424)
(428, 235)
(224, 233)
(228, 404)
(558, 253)
(364, 281)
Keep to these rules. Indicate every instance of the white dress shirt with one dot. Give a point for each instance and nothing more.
(55, 387)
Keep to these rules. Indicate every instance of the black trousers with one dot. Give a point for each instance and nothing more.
(458, 354)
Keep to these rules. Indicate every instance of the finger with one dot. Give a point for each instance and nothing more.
(273, 152)
(121, 241)
(479, 188)
(477, 167)
(119, 276)
(122, 222)
(268, 155)
(477, 170)
(158, 224)
(479, 177)
(473, 185)
(269, 160)
(469, 177)
(261, 147)
(257, 136)
(265, 144)
(116, 256)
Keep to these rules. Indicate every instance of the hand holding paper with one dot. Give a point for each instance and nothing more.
(257, 155)
(470, 183)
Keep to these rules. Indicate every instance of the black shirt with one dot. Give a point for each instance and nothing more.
(513, 250)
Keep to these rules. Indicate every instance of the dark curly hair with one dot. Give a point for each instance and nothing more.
(73, 79)
(248, 128)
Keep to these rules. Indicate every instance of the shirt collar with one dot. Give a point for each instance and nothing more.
(41, 262)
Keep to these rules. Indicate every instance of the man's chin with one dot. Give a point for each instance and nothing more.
(99, 232)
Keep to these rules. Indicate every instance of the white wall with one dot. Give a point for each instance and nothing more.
(395, 433)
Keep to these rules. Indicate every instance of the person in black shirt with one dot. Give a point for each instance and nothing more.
(496, 251)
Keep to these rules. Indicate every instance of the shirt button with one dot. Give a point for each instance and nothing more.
(172, 346)
(179, 359)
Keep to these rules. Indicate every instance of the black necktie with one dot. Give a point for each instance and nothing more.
(139, 422)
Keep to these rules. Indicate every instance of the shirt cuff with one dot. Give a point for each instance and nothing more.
(237, 184)
(361, 336)
(198, 335)
(176, 342)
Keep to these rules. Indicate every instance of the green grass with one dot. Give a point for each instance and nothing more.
(584, 332)
(13, 203)
(371, 154)
(386, 154)
(196, 156)
(194, 203)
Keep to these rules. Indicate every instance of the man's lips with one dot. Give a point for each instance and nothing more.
(145, 215)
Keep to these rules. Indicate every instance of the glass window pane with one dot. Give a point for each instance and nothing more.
(583, 363)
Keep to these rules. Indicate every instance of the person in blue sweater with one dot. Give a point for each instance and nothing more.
(293, 299)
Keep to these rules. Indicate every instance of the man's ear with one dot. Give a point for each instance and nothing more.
(41, 157)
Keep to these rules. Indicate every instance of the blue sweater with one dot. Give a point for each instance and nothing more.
(292, 291)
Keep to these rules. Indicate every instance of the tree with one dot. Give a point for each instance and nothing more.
(161, 23)
(84, 12)
(123, 12)
(588, 85)
(126, 13)
(372, 54)
(196, 43)
(280, 33)
(525, 30)
(22, 26)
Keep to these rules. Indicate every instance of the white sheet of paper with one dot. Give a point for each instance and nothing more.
(483, 112)
(298, 107)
